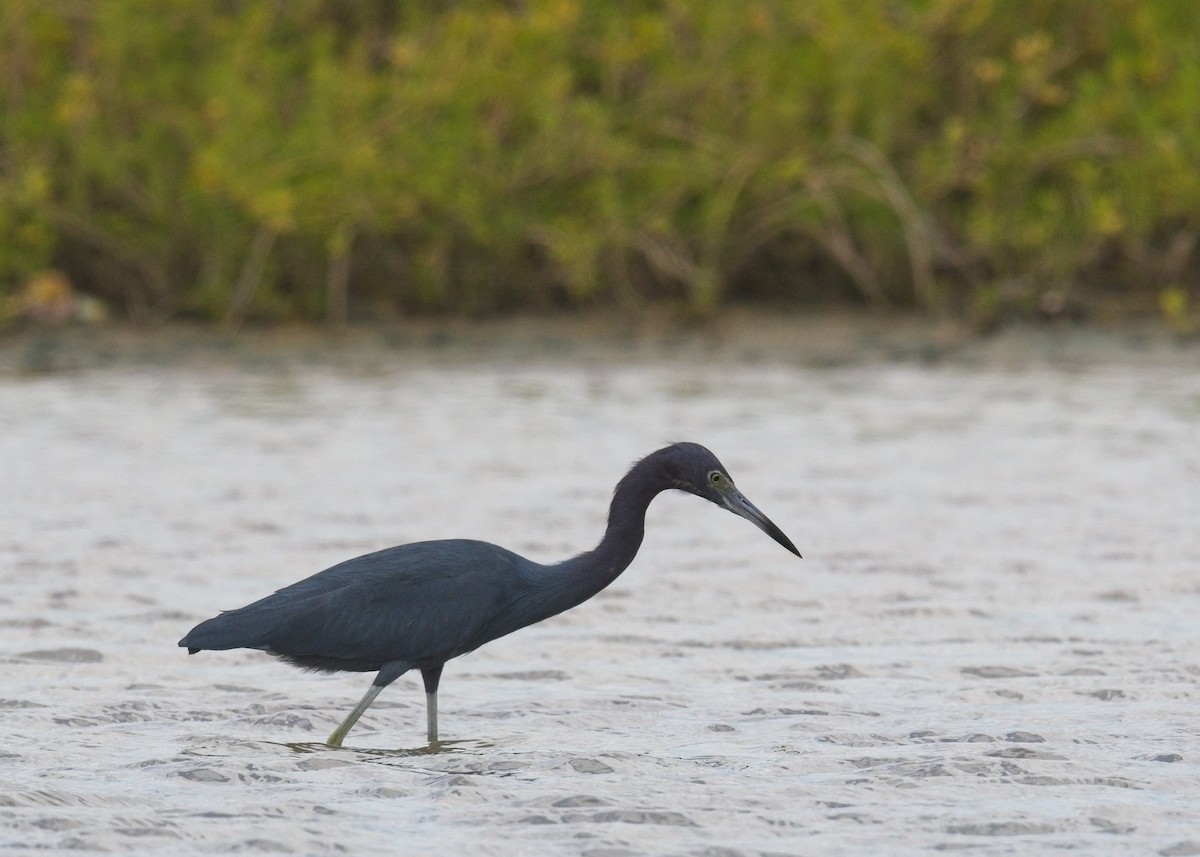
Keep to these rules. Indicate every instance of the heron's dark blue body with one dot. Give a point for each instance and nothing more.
(419, 605)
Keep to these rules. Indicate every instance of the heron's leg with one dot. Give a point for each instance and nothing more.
(432, 676)
(388, 673)
(335, 740)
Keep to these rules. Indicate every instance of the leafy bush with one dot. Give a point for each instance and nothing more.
(311, 158)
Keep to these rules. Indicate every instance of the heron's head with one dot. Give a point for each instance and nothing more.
(693, 468)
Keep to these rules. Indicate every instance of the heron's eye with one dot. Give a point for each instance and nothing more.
(715, 477)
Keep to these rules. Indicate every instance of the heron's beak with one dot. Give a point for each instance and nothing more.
(737, 503)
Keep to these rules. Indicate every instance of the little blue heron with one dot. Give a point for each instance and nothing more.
(418, 605)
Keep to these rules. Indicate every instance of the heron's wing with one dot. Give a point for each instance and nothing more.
(427, 601)
(430, 619)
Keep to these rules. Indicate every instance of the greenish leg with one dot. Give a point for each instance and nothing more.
(335, 740)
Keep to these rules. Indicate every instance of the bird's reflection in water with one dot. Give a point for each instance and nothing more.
(435, 748)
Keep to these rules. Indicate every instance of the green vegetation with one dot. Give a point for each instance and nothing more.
(305, 159)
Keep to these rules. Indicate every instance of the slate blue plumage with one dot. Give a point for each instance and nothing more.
(419, 605)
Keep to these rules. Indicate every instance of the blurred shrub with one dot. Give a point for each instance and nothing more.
(311, 158)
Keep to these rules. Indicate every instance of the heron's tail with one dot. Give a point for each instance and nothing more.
(236, 629)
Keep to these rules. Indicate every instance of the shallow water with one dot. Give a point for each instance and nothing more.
(992, 643)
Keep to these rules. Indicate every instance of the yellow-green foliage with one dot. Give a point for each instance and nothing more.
(247, 158)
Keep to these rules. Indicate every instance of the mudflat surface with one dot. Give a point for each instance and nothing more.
(992, 644)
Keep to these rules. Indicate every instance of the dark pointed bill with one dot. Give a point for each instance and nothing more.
(737, 503)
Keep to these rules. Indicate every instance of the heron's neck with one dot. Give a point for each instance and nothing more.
(626, 526)
(562, 586)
